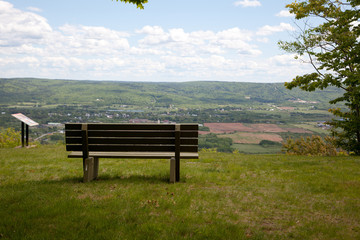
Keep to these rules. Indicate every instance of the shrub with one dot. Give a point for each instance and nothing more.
(312, 146)
(211, 141)
(9, 138)
(268, 143)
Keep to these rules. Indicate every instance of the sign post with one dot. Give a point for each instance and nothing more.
(25, 121)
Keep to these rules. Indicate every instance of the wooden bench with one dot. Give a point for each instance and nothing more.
(151, 141)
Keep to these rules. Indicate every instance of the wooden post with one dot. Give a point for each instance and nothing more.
(96, 167)
(27, 135)
(88, 169)
(22, 134)
(177, 152)
(85, 143)
(172, 170)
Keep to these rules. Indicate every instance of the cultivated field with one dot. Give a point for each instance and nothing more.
(252, 138)
(240, 127)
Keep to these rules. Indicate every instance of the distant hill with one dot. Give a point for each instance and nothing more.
(49, 91)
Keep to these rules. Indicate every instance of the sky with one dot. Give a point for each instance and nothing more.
(168, 41)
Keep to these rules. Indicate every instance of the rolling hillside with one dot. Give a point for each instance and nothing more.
(47, 91)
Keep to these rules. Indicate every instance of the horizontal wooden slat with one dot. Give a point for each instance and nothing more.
(132, 134)
(73, 126)
(132, 148)
(73, 133)
(189, 127)
(126, 133)
(131, 127)
(100, 140)
(124, 126)
(148, 155)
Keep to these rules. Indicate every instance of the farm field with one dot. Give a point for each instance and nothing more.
(241, 127)
(220, 196)
(252, 138)
(248, 138)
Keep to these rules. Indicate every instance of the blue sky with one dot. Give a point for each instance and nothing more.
(170, 40)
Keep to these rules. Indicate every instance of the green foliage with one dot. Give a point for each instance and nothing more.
(107, 93)
(211, 141)
(205, 129)
(268, 143)
(138, 3)
(332, 47)
(57, 138)
(9, 138)
(312, 146)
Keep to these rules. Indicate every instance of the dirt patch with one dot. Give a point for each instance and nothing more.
(252, 128)
(204, 132)
(228, 127)
(252, 138)
(267, 128)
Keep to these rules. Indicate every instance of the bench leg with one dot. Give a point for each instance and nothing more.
(172, 170)
(96, 167)
(177, 169)
(88, 169)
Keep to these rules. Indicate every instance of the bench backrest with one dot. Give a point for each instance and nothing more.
(131, 137)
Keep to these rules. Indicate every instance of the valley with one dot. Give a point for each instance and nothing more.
(244, 117)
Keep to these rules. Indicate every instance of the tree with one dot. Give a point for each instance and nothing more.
(138, 3)
(332, 47)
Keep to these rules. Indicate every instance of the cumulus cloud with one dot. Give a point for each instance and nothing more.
(30, 47)
(268, 30)
(34, 9)
(284, 13)
(248, 3)
(18, 27)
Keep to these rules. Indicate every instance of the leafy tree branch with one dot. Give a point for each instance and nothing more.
(332, 47)
(138, 3)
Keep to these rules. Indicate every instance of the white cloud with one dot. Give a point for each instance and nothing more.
(248, 3)
(178, 35)
(34, 9)
(30, 47)
(18, 27)
(285, 13)
(268, 30)
(151, 30)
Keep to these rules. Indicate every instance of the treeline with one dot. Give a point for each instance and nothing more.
(211, 141)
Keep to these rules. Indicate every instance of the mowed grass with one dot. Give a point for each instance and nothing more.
(220, 196)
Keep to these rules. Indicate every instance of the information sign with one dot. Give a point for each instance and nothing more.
(25, 119)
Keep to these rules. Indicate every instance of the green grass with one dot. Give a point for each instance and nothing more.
(312, 127)
(256, 149)
(220, 196)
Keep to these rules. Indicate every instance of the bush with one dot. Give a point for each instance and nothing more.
(9, 138)
(211, 141)
(268, 143)
(312, 146)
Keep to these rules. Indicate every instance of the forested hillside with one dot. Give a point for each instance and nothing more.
(46, 91)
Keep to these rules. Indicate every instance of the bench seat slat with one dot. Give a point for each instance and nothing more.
(148, 155)
(102, 140)
(132, 148)
(126, 133)
(125, 126)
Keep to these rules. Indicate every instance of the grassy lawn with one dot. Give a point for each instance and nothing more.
(220, 196)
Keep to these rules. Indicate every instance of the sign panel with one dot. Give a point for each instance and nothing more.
(25, 119)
